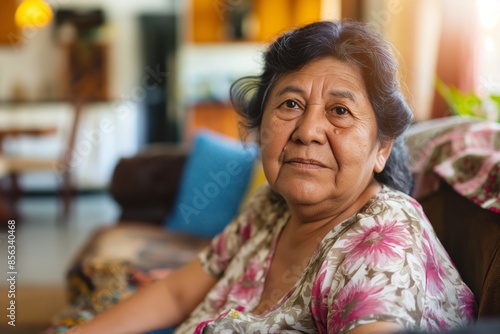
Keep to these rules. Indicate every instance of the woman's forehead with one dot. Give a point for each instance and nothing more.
(329, 72)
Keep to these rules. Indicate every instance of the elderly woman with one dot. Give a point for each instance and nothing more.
(333, 244)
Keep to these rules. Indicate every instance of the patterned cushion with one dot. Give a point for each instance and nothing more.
(464, 152)
(115, 263)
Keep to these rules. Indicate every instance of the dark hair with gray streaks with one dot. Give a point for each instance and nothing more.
(352, 42)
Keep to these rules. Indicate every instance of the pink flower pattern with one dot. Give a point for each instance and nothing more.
(435, 321)
(320, 308)
(467, 303)
(355, 301)
(434, 271)
(361, 273)
(378, 244)
(248, 287)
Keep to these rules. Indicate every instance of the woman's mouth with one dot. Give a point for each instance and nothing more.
(305, 163)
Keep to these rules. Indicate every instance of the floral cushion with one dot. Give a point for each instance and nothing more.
(463, 152)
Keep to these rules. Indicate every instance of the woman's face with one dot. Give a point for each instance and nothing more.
(319, 135)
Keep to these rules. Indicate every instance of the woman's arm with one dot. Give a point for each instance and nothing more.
(162, 304)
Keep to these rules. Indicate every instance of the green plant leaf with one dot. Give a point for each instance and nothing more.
(465, 104)
(496, 99)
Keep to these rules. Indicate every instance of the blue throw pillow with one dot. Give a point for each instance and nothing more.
(214, 182)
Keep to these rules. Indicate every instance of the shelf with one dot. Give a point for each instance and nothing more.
(217, 117)
(258, 21)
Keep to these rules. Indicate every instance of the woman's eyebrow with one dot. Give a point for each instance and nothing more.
(289, 89)
(338, 93)
(343, 94)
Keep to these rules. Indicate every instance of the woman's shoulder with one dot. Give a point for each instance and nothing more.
(390, 246)
(391, 196)
(388, 213)
(389, 201)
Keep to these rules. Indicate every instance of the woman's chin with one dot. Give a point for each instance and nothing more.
(303, 195)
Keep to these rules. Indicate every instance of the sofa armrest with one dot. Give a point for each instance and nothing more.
(145, 185)
(471, 235)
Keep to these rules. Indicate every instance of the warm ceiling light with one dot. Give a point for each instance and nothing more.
(33, 13)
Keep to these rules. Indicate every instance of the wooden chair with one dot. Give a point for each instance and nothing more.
(15, 166)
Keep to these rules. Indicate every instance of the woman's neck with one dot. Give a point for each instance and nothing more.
(310, 220)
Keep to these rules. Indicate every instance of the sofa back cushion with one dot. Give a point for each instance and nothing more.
(146, 184)
(213, 183)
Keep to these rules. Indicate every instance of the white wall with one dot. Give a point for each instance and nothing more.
(29, 68)
(207, 70)
(104, 135)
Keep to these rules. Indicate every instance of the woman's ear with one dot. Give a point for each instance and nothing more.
(383, 153)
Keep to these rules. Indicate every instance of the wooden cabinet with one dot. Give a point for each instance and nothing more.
(248, 20)
(207, 20)
(277, 16)
(9, 32)
(218, 117)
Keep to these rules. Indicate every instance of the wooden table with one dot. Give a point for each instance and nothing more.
(6, 211)
(25, 131)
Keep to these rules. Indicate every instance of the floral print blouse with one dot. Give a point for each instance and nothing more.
(382, 264)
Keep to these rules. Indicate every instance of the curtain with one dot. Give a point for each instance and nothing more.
(432, 38)
(458, 50)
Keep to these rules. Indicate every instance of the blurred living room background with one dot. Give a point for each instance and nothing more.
(84, 83)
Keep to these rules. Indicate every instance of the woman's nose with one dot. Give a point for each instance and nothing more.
(311, 126)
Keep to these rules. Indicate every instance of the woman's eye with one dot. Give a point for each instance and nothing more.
(340, 110)
(291, 104)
